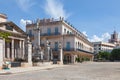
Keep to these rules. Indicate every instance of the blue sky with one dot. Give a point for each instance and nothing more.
(95, 18)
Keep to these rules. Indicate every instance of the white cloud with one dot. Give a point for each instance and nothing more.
(84, 32)
(104, 37)
(54, 8)
(23, 23)
(25, 5)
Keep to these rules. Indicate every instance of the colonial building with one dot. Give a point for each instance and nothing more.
(103, 46)
(73, 42)
(15, 47)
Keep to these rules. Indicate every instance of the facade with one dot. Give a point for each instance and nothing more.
(103, 46)
(15, 47)
(74, 43)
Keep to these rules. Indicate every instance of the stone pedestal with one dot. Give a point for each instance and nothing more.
(29, 52)
(48, 52)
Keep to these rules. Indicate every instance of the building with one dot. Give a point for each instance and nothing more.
(74, 43)
(103, 46)
(114, 39)
(15, 47)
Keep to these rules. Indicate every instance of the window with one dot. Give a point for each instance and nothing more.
(67, 32)
(68, 46)
(99, 48)
(9, 28)
(30, 33)
(56, 46)
(64, 30)
(48, 31)
(56, 30)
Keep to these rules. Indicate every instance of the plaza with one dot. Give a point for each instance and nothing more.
(80, 71)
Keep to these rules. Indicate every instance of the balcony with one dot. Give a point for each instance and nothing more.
(67, 49)
(51, 34)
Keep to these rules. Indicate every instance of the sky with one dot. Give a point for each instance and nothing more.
(97, 19)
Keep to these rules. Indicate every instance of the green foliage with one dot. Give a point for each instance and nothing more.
(5, 35)
(103, 55)
(83, 59)
(77, 59)
(115, 54)
(87, 59)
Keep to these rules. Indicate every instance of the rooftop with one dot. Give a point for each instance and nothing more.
(3, 15)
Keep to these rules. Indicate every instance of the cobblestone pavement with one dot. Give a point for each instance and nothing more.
(84, 71)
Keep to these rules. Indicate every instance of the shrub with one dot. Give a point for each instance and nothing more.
(87, 59)
(77, 59)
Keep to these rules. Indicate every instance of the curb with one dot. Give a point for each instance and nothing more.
(8, 72)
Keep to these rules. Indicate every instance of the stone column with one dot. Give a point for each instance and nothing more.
(23, 50)
(73, 58)
(48, 51)
(20, 49)
(12, 46)
(8, 50)
(61, 53)
(1, 53)
(4, 49)
(29, 51)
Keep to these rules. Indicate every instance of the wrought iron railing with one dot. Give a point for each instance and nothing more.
(50, 34)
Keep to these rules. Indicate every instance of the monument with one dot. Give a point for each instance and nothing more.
(38, 51)
(41, 55)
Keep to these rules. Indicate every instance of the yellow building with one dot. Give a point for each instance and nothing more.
(74, 43)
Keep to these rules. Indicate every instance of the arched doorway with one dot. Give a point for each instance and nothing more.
(67, 58)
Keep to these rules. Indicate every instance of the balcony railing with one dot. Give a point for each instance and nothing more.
(51, 34)
(69, 49)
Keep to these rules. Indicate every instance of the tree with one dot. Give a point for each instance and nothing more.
(115, 54)
(103, 55)
(5, 35)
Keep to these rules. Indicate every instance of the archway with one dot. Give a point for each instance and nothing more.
(67, 58)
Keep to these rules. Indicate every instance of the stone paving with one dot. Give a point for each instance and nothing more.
(84, 71)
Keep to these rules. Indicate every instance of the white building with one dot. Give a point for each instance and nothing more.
(15, 47)
(74, 43)
(103, 46)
